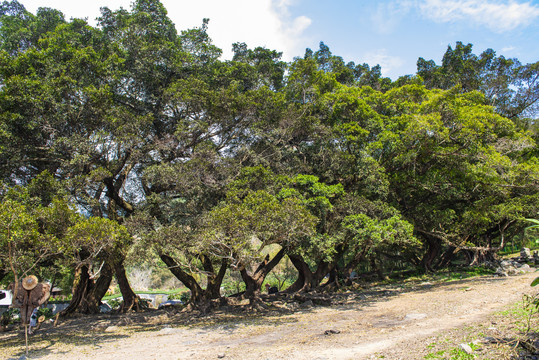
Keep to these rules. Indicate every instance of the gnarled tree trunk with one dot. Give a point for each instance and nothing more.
(213, 288)
(253, 281)
(434, 247)
(480, 255)
(199, 297)
(447, 257)
(88, 292)
(307, 279)
(197, 293)
(130, 299)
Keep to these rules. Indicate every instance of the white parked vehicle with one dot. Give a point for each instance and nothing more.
(6, 296)
(170, 303)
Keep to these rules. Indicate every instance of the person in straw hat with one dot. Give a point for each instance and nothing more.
(30, 295)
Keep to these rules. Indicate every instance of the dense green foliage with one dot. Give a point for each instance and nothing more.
(130, 139)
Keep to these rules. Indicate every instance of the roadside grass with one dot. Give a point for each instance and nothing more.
(454, 354)
(499, 337)
(441, 276)
(149, 292)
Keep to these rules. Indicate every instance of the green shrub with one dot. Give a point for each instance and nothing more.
(183, 296)
(45, 312)
(9, 316)
(114, 303)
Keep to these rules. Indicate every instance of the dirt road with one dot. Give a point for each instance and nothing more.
(393, 323)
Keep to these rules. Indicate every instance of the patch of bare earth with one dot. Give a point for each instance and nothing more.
(394, 322)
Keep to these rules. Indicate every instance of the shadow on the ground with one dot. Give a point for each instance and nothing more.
(95, 330)
(48, 340)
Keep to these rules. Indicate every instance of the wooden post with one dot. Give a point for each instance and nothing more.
(26, 337)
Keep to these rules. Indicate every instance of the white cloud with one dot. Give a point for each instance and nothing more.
(390, 64)
(508, 48)
(389, 15)
(266, 23)
(497, 15)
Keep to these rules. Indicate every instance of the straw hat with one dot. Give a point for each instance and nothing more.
(29, 282)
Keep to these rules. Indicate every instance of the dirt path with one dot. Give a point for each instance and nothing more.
(396, 324)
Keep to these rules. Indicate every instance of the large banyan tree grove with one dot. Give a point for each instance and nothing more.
(129, 139)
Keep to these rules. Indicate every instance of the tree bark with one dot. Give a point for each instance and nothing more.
(253, 282)
(213, 289)
(308, 280)
(303, 275)
(446, 257)
(434, 247)
(480, 255)
(197, 293)
(130, 299)
(80, 288)
(324, 268)
(87, 292)
(333, 280)
(250, 283)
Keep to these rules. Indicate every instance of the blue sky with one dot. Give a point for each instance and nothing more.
(392, 33)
